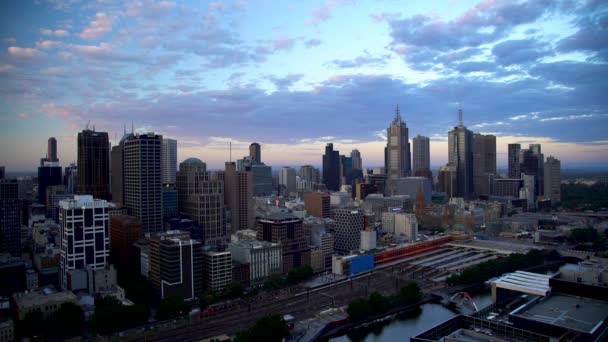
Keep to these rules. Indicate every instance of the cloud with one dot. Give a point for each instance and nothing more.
(520, 51)
(20, 52)
(101, 25)
(10, 40)
(283, 43)
(283, 83)
(56, 33)
(312, 43)
(366, 59)
(64, 111)
(385, 16)
(47, 44)
(323, 13)
(4, 68)
(104, 52)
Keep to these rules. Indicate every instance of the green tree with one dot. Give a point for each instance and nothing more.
(358, 309)
(172, 307)
(112, 316)
(273, 282)
(297, 274)
(269, 328)
(410, 293)
(207, 298)
(233, 290)
(378, 303)
(68, 320)
(33, 324)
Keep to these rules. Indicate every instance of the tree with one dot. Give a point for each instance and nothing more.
(111, 316)
(32, 324)
(269, 328)
(358, 309)
(207, 298)
(172, 307)
(410, 293)
(68, 320)
(297, 274)
(233, 290)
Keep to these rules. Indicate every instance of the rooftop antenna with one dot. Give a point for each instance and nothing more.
(397, 114)
(124, 125)
(231, 151)
(87, 126)
(132, 128)
(459, 114)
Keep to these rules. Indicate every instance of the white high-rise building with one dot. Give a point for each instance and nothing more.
(553, 179)
(287, 178)
(85, 235)
(355, 155)
(169, 163)
(527, 191)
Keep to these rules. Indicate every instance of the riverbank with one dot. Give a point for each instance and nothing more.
(333, 331)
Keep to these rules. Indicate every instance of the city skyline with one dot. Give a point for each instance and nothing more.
(528, 72)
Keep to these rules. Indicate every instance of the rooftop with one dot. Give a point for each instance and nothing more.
(25, 299)
(574, 313)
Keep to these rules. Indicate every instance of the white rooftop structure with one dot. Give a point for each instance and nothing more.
(526, 282)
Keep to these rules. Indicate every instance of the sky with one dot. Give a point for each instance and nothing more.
(295, 75)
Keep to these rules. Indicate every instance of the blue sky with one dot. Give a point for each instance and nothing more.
(296, 75)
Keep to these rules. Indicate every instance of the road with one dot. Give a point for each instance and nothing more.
(302, 305)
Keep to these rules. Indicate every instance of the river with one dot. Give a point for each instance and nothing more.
(404, 326)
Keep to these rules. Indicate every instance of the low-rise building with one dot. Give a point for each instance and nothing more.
(7, 330)
(264, 258)
(217, 270)
(46, 300)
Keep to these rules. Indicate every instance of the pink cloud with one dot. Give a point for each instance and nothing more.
(6, 68)
(47, 44)
(323, 13)
(283, 43)
(20, 52)
(63, 111)
(98, 27)
(24, 115)
(56, 33)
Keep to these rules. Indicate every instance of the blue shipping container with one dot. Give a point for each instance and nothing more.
(361, 263)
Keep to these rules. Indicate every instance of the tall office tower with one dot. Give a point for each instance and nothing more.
(309, 174)
(85, 235)
(355, 155)
(348, 224)
(200, 195)
(484, 163)
(94, 164)
(238, 197)
(331, 168)
(48, 174)
(176, 265)
(169, 161)
(70, 178)
(531, 161)
(2, 172)
(347, 173)
(553, 179)
(10, 217)
(217, 270)
(255, 152)
(527, 191)
(287, 230)
(287, 178)
(317, 204)
(514, 161)
(169, 201)
(397, 148)
(540, 176)
(142, 179)
(421, 156)
(51, 154)
(460, 155)
(124, 232)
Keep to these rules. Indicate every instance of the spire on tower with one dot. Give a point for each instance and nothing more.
(459, 115)
(397, 115)
(132, 128)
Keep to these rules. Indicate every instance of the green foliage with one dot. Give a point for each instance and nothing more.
(68, 320)
(377, 303)
(207, 298)
(172, 307)
(137, 288)
(297, 274)
(269, 328)
(33, 324)
(582, 235)
(233, 290)
(584, 197)
(111, 316)
(274, 282)
(497, 267)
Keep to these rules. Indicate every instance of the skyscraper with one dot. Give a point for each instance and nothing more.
(484, 163)
(10, 219)
(460, 155)
(287, 230)
(310, 174)
(514, 161)
(421, 156)
(287, 178)
(70, 178)
(94, 164)
(397, 148)
(169, 161)
(48, 174)
(540, 183)
(355, 155)
(255, 152)
(238, 197)
(117, 174)
(348, 224)
(331, 168)
(532, 164)
(51, 154)
(2, 172)
(201, 197)
(553, 179)
(85, 235)
(142, 179)
(124, 232)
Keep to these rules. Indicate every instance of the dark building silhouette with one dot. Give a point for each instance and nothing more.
(2, 172)
(331, 168)
(51, 154)
(10, 218)
(94, 164)
(48, 174)
(397, 153)
(287, 230)
(124, 232)
(460, 155)
(255, 152)
(514, 160)
(484, 163)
